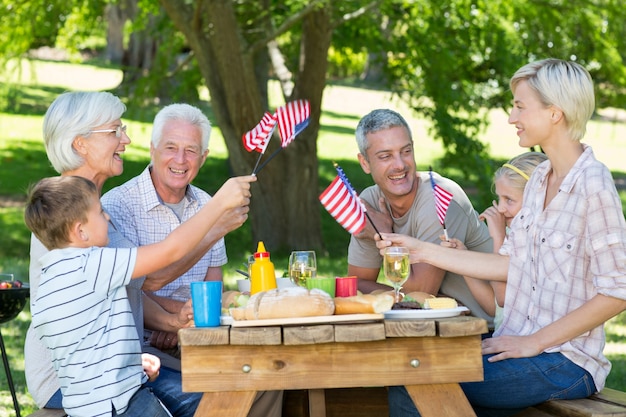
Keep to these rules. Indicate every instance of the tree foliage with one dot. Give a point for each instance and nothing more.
(450, 60)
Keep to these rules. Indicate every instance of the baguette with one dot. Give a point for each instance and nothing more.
(284, 303)
(364, 304)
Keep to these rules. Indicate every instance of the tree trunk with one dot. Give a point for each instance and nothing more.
(115, 17)
(285, 211)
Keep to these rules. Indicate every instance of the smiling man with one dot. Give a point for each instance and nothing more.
(402, 201)
(146, 209)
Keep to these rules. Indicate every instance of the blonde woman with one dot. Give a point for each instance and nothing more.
(563, 259)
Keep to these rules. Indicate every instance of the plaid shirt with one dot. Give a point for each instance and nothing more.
(563, 256)
(138, 213)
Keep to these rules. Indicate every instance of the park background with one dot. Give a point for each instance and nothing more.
(443, 65)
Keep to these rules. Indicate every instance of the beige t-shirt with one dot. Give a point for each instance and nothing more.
(421, 222)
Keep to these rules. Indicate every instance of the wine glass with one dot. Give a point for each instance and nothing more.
(302, 266)
(396, 267)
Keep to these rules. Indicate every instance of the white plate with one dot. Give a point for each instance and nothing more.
(425, 314)
(226, 320)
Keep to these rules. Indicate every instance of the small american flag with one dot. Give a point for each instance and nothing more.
(292, 118)
(442, 200)
(258, 138)
(343, 203)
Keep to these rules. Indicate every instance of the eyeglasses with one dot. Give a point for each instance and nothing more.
(118, 131)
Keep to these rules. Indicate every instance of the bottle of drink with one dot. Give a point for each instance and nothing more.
(262, 275)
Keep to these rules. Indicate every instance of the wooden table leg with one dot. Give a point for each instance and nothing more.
(440, 400)
(225, 404)
(317, 403)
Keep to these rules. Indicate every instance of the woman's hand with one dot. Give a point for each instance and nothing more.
(392, 239)
(505, 347)
(452, 243)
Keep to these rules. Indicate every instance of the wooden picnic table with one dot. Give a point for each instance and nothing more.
(428, 356)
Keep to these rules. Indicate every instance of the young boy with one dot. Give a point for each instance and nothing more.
(81, 312)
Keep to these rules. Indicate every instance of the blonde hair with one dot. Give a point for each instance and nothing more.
(54, 205)
(563, 84)
(524, 163)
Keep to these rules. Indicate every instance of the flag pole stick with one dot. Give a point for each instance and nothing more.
(373, 225)
(257, 163)
(445, 233)
(256, 171)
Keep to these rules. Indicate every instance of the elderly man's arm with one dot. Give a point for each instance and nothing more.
(228, 222)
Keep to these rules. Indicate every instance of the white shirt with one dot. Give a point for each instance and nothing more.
(563, 256)
(82, 314)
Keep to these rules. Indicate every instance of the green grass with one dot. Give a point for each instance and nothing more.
(23, 161)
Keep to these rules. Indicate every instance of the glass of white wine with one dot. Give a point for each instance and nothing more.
(396, 267)
(302, 266)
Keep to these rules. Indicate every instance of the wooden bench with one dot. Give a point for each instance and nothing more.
(372, 402)
(48, 412)
(608, 403)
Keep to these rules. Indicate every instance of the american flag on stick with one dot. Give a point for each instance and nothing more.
(258, 138)
(292, 118)
(442, 202)
(343, 203)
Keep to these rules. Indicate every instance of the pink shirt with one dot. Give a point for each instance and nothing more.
(563, 256)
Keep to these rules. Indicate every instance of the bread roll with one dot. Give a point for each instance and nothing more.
(380, 291)
(364, 304)
(419, 296)
(284, 303)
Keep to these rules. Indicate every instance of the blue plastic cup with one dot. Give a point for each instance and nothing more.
(206, 297)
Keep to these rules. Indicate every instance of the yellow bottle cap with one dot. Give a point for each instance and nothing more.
(261, 252)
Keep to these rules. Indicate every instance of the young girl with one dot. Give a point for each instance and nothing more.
(509, 183)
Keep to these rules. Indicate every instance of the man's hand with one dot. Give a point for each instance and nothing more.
(151, 365)
(163, 340)
(381, 219)
(230, 220)
(185, 315)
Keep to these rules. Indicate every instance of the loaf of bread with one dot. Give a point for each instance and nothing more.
(284, 303)
(364, 304)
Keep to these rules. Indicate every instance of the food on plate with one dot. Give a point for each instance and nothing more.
(284, 303)
(417, 296)
(440, 303)
(407, 305)
(364, 303)
(412, 301)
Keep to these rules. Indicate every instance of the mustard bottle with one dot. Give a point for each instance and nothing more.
(262, 275)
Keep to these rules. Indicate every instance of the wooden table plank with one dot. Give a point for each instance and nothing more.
(360, 333)
(386, 362)
(461, 326)
(255, 336)
(308, 335)
(225, 404)
(443, 400)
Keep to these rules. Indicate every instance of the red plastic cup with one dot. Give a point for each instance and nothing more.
(345, 286)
